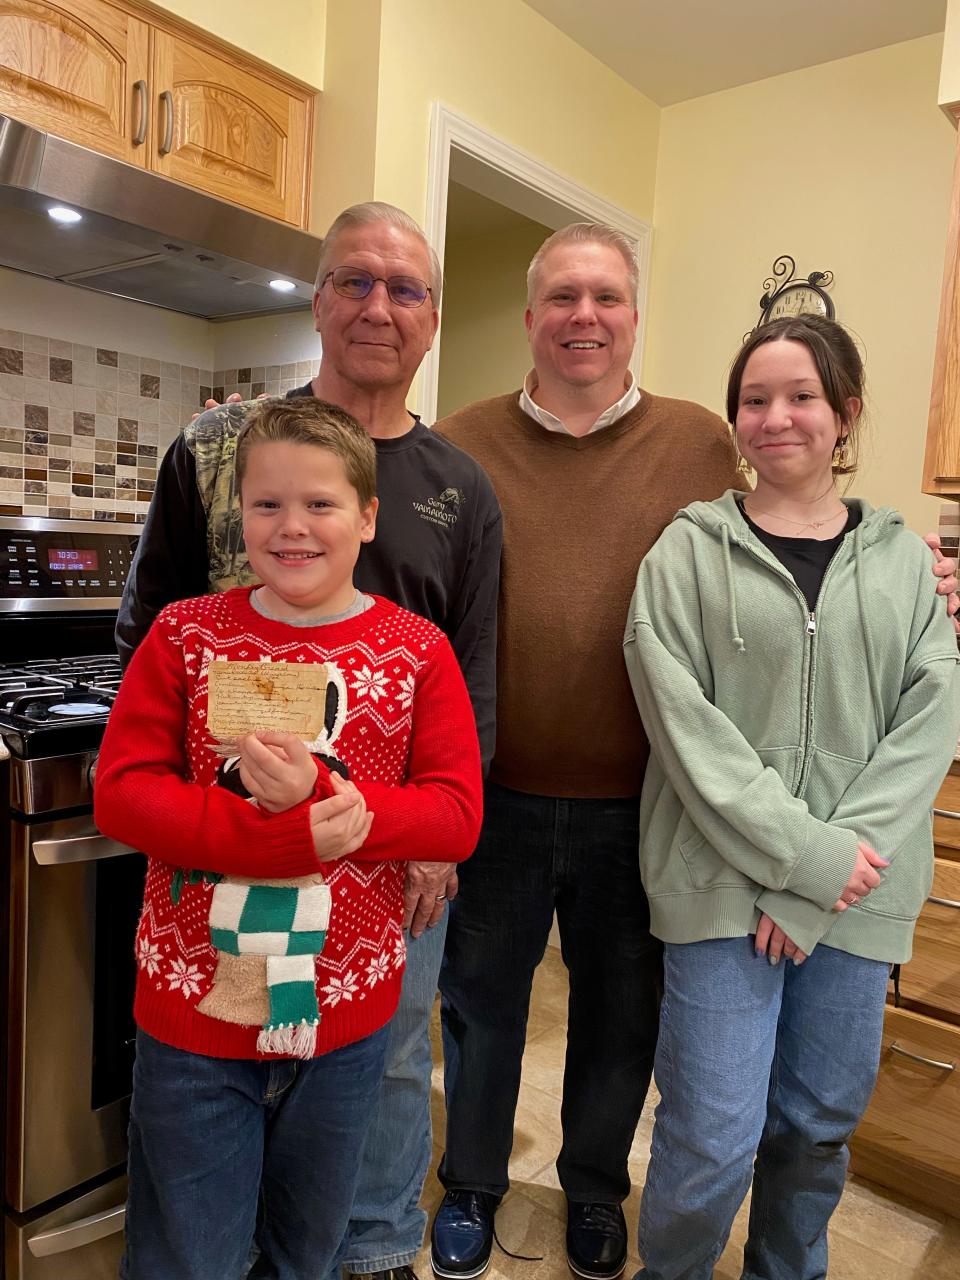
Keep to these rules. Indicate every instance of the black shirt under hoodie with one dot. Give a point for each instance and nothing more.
(805, 559)
(436, 550)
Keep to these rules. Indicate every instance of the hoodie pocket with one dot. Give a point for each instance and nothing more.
(705, 867)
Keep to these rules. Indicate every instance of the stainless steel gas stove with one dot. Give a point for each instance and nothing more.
(70, 900)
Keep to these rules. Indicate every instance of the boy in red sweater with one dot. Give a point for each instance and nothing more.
(270, 948)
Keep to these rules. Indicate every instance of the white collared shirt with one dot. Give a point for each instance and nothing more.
(629, 400)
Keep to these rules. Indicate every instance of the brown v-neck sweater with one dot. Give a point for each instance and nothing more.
(579, 514)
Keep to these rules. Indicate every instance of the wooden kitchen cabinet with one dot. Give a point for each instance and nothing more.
(228, 129)
(941, 465)
(131, 81)
(909, 1138)
(80, 72)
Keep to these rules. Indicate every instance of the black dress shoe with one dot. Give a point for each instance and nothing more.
(462, 1234)
(596, 1240)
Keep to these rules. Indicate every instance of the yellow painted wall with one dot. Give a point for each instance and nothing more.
(345, 151)
(510, 71)
(847, 167)
(287, 33)
(485, 350)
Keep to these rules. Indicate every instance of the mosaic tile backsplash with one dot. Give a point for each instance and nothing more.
(82, 427)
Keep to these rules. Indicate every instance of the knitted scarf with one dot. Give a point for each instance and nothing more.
(288, 925)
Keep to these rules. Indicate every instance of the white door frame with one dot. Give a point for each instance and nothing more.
(451, 132)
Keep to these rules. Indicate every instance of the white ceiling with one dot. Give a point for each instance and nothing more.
(672, 50)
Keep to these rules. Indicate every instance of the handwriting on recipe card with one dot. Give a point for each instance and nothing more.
(245, 696)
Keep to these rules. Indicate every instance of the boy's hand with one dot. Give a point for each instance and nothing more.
(773, 943)
(277, 770)
(946, 570)
(341, 823)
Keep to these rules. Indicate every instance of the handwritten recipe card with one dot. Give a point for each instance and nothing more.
(245, 696)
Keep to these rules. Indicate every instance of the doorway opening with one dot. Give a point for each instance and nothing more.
(489, 208)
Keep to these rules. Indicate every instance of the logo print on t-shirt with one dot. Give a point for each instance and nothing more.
(443, 511)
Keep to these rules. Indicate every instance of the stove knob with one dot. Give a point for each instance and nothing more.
(92, 770)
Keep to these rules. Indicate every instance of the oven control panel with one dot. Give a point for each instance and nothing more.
(56, 564)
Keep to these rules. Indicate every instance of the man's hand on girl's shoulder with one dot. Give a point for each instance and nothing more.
(945, 568)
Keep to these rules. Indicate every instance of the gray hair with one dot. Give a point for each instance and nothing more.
(364, 215)
(586, 233)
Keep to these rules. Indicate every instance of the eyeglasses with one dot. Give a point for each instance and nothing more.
(354, 282)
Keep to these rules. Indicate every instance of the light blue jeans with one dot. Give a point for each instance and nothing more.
(387, 1223)
(763, 1072)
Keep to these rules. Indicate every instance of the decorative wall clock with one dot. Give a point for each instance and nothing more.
(787, 294)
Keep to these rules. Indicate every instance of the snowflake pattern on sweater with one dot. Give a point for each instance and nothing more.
(394, 733)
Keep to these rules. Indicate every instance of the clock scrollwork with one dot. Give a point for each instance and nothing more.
(787, 294)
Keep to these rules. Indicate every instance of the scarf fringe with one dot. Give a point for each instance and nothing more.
(293, 1041)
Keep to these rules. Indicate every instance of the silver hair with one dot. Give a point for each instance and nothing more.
(371, 211)
(586, 233)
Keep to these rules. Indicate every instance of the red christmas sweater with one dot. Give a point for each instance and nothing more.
(404, 728)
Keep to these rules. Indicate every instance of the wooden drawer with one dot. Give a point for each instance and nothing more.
(946, 822)
(932, 978)
(909, 1138)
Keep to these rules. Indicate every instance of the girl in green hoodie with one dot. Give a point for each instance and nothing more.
(796, 675)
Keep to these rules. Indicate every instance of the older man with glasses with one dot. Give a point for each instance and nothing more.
(437, 552)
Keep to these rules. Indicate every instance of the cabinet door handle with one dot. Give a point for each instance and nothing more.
(143, 102)
(944, 902)
(945, 813)
(166, 146)
(927, 1062)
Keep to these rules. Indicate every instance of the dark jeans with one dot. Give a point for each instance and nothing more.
(580, 857)
(214, 1139)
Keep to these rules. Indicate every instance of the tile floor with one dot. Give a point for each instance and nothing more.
(875, 1235)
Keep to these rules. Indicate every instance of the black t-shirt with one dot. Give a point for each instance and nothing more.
(436, 553)
(805, 559)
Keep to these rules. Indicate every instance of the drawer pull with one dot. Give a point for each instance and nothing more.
(944, 902)
(945, 813)
(927, 1062)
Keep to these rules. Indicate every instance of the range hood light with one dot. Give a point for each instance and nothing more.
(60, 213)
(282, 286)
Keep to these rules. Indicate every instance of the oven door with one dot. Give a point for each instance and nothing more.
(80, 1240)
(75, 898)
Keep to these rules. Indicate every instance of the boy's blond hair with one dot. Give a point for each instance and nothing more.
(306, 420)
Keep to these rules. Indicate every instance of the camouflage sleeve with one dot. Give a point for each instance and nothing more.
(170, 562)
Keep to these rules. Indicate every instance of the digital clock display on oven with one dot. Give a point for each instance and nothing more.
(63, 558)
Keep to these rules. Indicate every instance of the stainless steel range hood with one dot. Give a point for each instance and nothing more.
(142, 236)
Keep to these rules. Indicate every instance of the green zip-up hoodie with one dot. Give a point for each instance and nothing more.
(780, 738)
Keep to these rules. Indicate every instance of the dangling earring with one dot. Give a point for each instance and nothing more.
(840, 453)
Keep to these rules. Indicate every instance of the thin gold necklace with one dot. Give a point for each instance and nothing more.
(810, 524)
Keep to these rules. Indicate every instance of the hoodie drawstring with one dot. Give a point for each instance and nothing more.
(878, 712)
(735, 636)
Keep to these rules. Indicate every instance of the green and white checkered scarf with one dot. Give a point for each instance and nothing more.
(289, 926)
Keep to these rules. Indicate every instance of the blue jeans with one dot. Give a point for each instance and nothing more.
(538, 854)
(387, 1223)
(216, 1141)
(764, 1072)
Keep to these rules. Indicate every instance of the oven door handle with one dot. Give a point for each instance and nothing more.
(76, 1234)
(52, 853)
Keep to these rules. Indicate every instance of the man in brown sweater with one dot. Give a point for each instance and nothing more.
(588, 470)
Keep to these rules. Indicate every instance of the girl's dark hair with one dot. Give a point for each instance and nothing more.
(838, 365)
